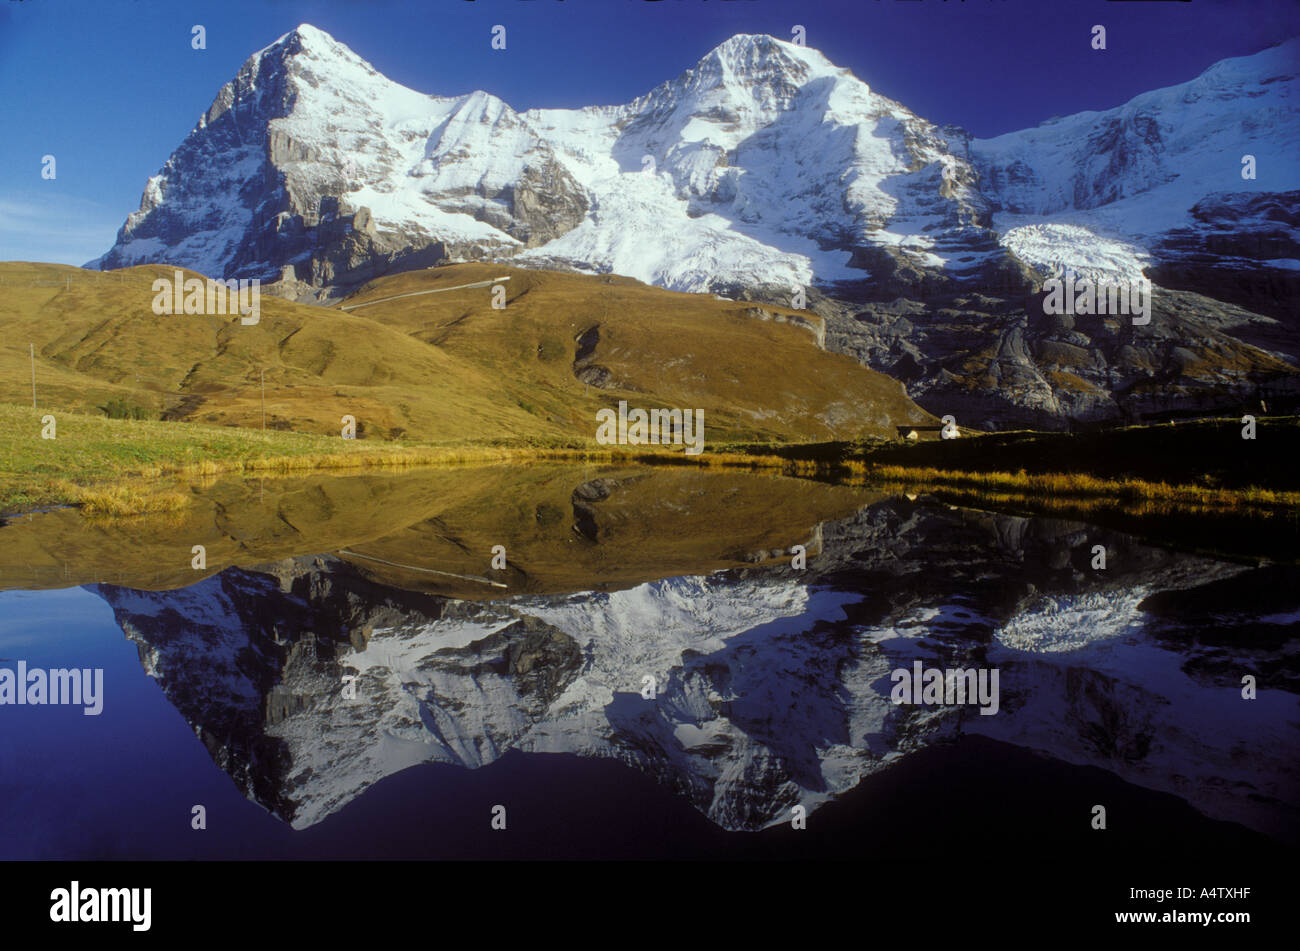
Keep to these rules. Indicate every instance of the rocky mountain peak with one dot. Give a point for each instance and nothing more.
(759, 59)
(743, 83)
(306, 42)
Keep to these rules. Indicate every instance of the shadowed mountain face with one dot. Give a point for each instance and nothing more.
(771, 684)
(765, 168)
(998, 363)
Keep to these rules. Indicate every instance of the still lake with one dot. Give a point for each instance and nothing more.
(672, 663)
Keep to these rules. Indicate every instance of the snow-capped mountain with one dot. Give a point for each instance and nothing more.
(762, 163)
(765, 167)
(279, 169)
(1103, 191)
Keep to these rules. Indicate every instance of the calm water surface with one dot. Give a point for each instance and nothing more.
(231, 686)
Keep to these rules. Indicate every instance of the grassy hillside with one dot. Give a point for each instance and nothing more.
(436, 367)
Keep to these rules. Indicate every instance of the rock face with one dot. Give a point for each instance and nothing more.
(998, 363)
(765, 169)
(773, 684)
(1238, 247)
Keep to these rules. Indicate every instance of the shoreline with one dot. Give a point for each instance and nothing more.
(115, 467)
(130, 492)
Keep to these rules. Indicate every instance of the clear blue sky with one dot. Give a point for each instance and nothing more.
(111, 87)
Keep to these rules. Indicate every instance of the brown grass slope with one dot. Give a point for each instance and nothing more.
(438, 367)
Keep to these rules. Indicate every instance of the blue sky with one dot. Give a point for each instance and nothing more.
(111, 87)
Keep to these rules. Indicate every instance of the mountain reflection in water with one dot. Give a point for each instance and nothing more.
(771, 683)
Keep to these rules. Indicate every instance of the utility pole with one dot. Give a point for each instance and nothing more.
(32, 348)
(263, 372)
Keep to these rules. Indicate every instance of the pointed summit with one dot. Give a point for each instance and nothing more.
(759, 57)
(311, 35)
(305, 71)
(739, 86)
(307, 42)
(755, 67)
(305, 38)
